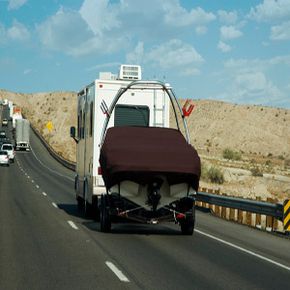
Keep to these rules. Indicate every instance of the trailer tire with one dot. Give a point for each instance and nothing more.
(80, 203)
(105, 218)
(95, 208)
(87, 205)
(187, 225)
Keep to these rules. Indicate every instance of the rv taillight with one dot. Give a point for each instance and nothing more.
(99, 170)
(180, 216)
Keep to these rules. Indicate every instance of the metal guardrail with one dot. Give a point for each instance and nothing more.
(260, 207)
(57, 157)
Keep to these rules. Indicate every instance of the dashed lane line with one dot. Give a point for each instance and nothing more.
(54, 204)
(72, 224)
(117, 272)
(44, 194)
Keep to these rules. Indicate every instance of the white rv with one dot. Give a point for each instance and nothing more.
(137, 107)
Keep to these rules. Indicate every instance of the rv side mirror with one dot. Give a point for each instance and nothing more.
(73, 133)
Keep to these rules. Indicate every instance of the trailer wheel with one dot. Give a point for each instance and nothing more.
(87, 209)
(95, 208)
(187, 225)
(80, 203)
(105, 219)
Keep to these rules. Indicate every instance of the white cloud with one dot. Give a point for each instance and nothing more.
(172, 54)
(252, 87)
(104, 27)
(99, 16)
(15, 4)
(176, 15)
(230, 32)
(271, 10)
(224, 47)
(281, 32)
(18, 32)
(190, 71)
(230, 17)
(2, 34)
(27, 71)
(200, 30)
(67, 31)
(255, 81)
(137, 56)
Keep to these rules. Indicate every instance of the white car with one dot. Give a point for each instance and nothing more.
(4, 122)
(10, 150)
(4, 158)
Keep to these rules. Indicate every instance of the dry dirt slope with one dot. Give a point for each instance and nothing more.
(213, 125)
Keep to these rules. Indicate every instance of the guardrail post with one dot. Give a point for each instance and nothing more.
(269, 219)
(232, 214)
(249, 218)
(258, 216)
(240, 216)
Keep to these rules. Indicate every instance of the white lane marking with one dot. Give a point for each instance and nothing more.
(28, 176)
(54, 204)
(72, 224)
(117, 272)
(37, 186)
(32, 181)
(53, 171)
(43, 193)
(244, 250)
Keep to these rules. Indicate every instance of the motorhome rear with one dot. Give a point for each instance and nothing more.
(137, 107)
(128, 159)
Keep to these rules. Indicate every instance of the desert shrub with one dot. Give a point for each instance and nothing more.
(287, 163)
(215, 175)
(268, 162)
(256, 171)
(281, 157)
(231, 154)
(212, 174)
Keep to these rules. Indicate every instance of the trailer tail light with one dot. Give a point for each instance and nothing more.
(100, 171)
(180, 216)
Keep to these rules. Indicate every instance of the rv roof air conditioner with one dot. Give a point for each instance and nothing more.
(130, 72)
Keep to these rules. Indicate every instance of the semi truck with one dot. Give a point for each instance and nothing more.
(128, 113)
(22, 130)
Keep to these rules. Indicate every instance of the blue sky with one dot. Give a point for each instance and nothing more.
(236, 51)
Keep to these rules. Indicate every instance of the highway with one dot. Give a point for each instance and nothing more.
(45, 243)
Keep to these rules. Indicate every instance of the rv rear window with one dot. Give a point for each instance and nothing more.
(131, 115)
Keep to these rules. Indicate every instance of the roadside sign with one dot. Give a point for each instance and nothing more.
(49, 126)
(286, 215)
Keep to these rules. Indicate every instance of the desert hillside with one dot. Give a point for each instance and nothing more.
(260, 134)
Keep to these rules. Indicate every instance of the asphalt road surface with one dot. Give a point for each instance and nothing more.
(45, 243)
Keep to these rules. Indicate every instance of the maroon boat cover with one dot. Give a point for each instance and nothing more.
(140, 153)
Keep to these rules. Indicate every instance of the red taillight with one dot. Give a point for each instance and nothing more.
(100, 171)
(180, 216)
